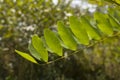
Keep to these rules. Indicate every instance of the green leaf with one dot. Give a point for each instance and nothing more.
(1, 27)
(45, 44)
(20, 3)
(117, 1)
(34, 52)
(78, 30)
(39, 47)
(117, 15)
(115, 23)
(66, 36)
(91, 31)
(53, 42)
(26, 56)
(103, 23)
(99, 2)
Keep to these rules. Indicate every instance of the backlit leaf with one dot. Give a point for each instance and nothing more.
(92, 32)
(117, 1)
(66, 36)
(79, 31)
(53, 42)
(26, 56)
(34, 52)
(103, 23)
(115, 23)
(39, 47)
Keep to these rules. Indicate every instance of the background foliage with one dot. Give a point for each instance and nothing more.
(20, 19)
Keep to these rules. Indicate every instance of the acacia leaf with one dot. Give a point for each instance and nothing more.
(39, 47)
(33, 52)
(53, 42)
(26, 56)
(103, 23)
(78, 30)
(66, 36)
(115, 23)
(91, 31)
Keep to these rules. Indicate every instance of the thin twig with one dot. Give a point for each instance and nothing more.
(63, 57)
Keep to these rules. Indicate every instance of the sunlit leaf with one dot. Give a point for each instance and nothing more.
(53, 42)
(34, 52)
(8, 34)
(115, 23)
(78, 30)
(66, 36)
(99, 2)
(1, 27)
(103, 23)
(39, 47)
(117, 1)
(26, 56)
(117, 15)
(92, 32)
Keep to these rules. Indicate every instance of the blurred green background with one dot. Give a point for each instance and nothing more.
(19, 19)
